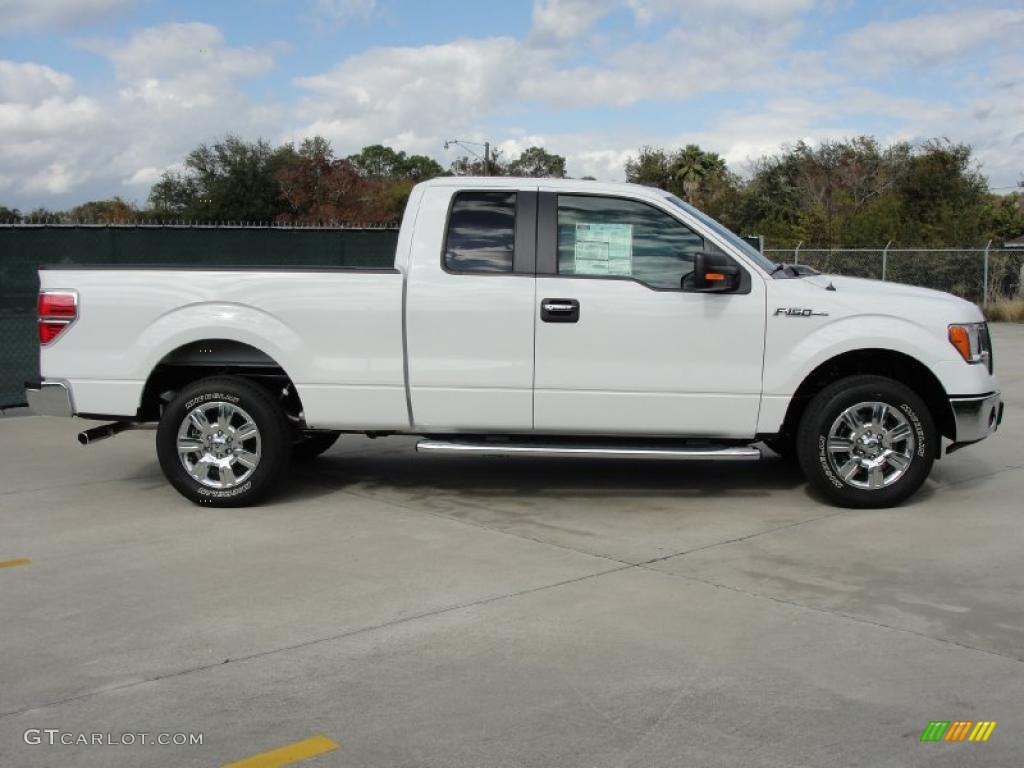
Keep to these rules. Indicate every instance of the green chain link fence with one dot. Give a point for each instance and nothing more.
(24, 247)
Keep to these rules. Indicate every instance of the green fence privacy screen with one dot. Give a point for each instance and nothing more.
(24, 247)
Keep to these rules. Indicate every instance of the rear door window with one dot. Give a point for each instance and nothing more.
(481, 232)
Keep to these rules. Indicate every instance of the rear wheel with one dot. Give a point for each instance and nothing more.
(223, 442)
(867, 441)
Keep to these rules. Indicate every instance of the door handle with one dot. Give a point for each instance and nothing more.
(560, 311)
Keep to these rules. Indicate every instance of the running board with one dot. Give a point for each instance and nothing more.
(595, 451)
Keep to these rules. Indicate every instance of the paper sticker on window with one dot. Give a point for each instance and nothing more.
(603, 249)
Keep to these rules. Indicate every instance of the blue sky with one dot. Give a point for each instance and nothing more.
(99, 97)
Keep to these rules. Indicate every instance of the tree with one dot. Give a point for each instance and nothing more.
(474, 166)
(651, 167)
(944, 196)
(232, 180)
(112, 211)
(380, 162)
(1006, 216)
(9, 214)
(42, 213)
(699, 177)
(534, 162)
(318, 187)
(854, 193)
(537, 162)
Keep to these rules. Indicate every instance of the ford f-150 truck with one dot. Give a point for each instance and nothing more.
(524, 317)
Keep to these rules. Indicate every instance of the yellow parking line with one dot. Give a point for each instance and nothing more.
(289, 754)
(12, 563)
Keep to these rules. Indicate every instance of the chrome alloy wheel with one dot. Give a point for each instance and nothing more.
(871, 445)
(219, 444)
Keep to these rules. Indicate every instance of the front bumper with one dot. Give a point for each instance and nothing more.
(976, 417)
(48, 398)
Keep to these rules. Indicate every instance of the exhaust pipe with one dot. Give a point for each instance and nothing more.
(103, 432)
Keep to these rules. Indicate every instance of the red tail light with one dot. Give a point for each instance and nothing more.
(57, 311)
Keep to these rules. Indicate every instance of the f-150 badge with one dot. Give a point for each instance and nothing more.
(799, 312)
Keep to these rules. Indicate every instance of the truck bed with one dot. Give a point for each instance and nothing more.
(336, 332)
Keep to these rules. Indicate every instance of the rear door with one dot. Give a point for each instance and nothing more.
(624, 344)
(469, 310)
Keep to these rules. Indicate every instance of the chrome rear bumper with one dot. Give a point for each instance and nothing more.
(976, 417)
(48, 398)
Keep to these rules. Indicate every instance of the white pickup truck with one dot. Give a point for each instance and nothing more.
(524, 316)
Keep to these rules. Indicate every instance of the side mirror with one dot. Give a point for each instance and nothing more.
(715, 273)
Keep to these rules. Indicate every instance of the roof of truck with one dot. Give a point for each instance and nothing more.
(526, 182)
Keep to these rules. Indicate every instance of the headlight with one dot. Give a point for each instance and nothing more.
(972, 342)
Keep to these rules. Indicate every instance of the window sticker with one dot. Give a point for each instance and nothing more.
(603, 249)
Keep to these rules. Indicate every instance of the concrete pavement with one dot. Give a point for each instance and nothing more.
(430, 611)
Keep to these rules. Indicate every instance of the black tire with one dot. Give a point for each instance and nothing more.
(272, 443)
(823, 472)
(312, 444)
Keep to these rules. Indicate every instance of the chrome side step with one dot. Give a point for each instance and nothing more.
(594, 451)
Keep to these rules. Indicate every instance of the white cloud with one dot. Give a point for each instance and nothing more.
(175, 67)
(555, 21)
(336, 13)
(429, 93)
(31, 82)
(424, 91)
(167, 96)
(648, 10)
(675, 67)
(144, 177)
(18, 15)
(922, 41)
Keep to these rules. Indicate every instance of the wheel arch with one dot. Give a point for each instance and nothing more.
(881, 362)
(201, 358)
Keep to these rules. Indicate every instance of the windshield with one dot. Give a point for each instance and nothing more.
(748, 250)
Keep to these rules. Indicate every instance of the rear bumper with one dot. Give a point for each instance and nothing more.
(48, 398)
(976, 417)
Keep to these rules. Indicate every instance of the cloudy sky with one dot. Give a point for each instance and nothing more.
(98, 97)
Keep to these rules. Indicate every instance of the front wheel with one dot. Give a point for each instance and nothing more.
(223, 442)
(867, 442)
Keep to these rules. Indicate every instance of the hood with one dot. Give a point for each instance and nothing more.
(861, 286)
(873, 295)
(860, 296)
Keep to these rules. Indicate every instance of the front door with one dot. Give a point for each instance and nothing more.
(624, 345)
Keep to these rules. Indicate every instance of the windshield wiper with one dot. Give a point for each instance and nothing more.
(793, 270)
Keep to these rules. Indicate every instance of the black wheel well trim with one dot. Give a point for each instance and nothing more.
(889, 363)
(202, 358)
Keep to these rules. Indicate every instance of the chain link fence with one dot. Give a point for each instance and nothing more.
(978, 274)
(23, 247)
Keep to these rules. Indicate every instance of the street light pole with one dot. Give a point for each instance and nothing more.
(465, 145)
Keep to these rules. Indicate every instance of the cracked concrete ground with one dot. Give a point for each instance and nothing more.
(429, 611)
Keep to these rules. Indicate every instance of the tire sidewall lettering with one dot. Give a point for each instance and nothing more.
(922, 446)
(824, 462)
(202, 490)
(207, 396)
